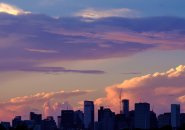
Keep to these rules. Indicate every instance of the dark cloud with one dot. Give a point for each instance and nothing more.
(31, 68)
(27, 41)
(147, 24)
(60, 69)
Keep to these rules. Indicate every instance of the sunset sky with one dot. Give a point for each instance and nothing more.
(57, 53)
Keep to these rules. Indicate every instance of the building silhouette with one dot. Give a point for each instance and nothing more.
(89, 115)
(16, 121)
(59, 122)
(106, 119)
(48, 124)
(37, 118)
(120, 122)
(153, 120)
(142, 116)
(131, 119)
(175, 116)
(6, 125)
(67, 119)
(125, 108)
(164, 120)
(79, 120)
(182, 119)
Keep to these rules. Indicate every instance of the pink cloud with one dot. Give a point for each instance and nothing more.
(47, 103)
(167, 40)
(54, 109)
(160, 89)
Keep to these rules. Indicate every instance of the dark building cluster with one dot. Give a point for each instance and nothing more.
(141, 118)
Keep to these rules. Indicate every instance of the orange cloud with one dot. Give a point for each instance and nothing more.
(9, 9)
(160, 89)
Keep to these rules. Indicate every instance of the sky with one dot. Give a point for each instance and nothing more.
(58, 53)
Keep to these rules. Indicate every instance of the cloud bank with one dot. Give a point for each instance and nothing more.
(47, 103)
(29, 41)
(160, 89)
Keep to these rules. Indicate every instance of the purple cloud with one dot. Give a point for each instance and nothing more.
(60, 69)
(27, 41)
(31, 68)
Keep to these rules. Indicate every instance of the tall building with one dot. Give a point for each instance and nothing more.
(142, 116)
(125, 108)
(89, 115)
(175, 116)
(164, 120)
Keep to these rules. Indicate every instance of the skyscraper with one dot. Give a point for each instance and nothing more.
(125, 108)
(175, 116)
(88, 115)
(142, 116)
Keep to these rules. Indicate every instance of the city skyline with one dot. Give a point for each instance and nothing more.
(142, 117)
(57, 54)
(114, 100)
